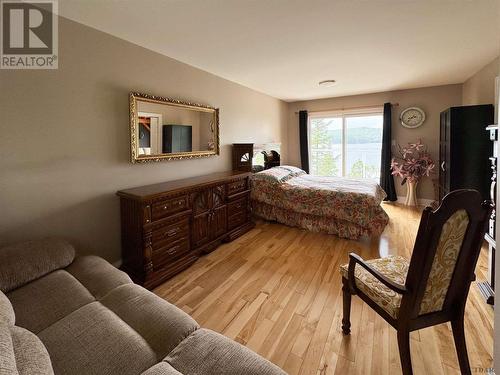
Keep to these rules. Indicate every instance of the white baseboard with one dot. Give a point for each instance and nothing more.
(421, 201)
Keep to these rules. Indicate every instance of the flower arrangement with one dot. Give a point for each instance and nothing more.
(415, 162)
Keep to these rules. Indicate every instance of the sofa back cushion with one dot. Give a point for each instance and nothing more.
(27, 261)
(44, 301)
(93, 340)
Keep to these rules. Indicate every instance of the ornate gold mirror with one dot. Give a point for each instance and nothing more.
(168, 129)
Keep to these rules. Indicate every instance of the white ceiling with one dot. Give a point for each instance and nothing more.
(285, 47)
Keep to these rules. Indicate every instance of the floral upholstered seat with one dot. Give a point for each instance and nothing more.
(393, 267)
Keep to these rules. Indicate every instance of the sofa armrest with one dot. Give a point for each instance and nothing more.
(24, 262)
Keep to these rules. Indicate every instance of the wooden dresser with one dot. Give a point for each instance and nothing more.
(168, 226)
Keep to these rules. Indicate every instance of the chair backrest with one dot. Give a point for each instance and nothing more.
(445, 254)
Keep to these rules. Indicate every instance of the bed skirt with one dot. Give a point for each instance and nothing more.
(314, 223)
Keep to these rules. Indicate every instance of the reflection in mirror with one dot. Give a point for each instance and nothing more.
(245, 157)
(170, 129)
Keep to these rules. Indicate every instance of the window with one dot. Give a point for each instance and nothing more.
(346, 144)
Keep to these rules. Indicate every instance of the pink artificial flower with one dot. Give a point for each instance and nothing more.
(414, 163)
(418, 145)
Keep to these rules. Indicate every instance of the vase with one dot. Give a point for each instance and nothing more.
(411, 193)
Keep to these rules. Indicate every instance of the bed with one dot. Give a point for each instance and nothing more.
(345, 207)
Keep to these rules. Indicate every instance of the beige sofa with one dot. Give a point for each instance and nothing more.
(65, 315)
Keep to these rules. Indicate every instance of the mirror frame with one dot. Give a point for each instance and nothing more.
(134, 120)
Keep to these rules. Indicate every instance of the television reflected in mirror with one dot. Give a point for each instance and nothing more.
(169, 129)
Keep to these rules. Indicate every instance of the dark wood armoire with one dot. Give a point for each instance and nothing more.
(465, 149)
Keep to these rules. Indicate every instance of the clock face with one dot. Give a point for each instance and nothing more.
(412, 117)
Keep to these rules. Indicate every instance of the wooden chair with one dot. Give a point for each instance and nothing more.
(432, 287)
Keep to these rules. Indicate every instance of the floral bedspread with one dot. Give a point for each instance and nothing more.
(347, 207)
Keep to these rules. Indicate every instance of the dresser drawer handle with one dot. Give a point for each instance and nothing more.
(173, 250)
(171, 232)
(178, 203)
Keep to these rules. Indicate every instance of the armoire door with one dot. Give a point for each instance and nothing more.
(444, 154)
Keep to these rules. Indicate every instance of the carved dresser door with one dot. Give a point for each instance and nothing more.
(218, 218)
(201, 203)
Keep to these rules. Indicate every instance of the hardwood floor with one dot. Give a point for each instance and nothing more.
(277, 290)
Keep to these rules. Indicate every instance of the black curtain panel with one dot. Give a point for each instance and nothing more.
(304, 145)
(386, 178)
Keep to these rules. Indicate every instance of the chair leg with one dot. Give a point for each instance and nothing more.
(404, 351)
(346, 320)
(457, 326)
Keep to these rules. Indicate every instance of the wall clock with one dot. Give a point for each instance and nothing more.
(412, 117)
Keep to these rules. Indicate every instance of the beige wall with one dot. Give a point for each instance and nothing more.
(480, 88)
(64, 148)
(432, 100)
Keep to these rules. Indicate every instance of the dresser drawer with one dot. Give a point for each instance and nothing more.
(169, 253)
(236, 220)
(237, 212)
(237, 186)
(170, 233)
(237, 206)
(169, 206)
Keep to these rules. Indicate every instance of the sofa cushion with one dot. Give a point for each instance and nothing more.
(30, 354)
(7, 315)
(44, 301)
(207, 352)
(162, 368)
(27, 261)
(93, 340)
(161, 324)
(97, 275)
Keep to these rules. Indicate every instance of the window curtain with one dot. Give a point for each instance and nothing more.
(304, 145)
(386, 177)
